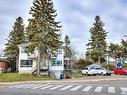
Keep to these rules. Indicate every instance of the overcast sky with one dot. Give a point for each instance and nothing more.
(76, 16)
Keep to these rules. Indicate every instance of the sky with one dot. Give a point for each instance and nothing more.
(76, 16)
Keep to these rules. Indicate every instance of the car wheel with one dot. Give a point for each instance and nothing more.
(102, 73)
(124, 73)
(83, 74)
(87, 74)
(115, 73)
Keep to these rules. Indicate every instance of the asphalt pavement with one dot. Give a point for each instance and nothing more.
(97, 85)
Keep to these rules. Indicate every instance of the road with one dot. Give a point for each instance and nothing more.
(103, 87)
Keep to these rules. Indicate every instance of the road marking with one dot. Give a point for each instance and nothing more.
(75, 88)
(34, 85)
(23, 86)
(98, 89)
(27, 85)
(124, 90)
(69, 87)
(16, 85)
(58, 86)
(111, 90)
(47, 87)
(66, 87)
(87, 88)
(40, 86)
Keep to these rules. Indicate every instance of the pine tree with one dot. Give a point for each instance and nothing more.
(115, 51)
(97, 44)
(16, 37)
(67, 48)
(124, 48)
(43, 31)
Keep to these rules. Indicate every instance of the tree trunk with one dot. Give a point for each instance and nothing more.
(99, 60)
(38, 63)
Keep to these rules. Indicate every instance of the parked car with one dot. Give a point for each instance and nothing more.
(95, 69)
(103, 71)
(120, 71)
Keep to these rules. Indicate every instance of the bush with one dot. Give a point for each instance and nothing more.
(124, 65)
(109, 66)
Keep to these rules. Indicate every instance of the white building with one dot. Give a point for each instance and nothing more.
(27, 63)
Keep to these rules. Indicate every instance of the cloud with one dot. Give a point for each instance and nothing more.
(78, 16)
(9, 11)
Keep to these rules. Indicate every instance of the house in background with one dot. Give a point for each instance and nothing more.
(27, 62)
(3, 65)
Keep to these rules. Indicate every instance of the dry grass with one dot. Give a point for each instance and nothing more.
(10, 77)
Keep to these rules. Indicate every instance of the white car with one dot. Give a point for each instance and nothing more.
(95, 70)
(88, 71)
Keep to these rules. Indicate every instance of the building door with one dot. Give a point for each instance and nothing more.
(44, 64)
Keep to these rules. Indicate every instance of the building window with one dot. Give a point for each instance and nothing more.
(26, 63)
(53, 62)
(24, 50)
(56, 62)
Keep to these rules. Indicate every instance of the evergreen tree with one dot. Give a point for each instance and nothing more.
(67, 48)
(115, 51)
(16, 37)
(124, 48)
(97, 45)
(43, 31)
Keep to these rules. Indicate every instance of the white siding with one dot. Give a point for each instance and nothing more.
(23, 56)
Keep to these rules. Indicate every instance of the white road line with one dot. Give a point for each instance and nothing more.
(58, 86)
(34, 85)
(27, 85)
(87, 88)
(98, 89)
(47, 87)
(23, 86)
(66, 87)
(39, 86)
(16, 85)
(124, 90)
(75, 88)
(111, 90)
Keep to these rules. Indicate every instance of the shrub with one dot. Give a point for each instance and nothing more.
(124, 65)
(109, 66)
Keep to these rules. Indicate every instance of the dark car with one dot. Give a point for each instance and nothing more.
(120, 71)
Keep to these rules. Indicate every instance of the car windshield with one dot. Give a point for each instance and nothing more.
(120, 68)
(85, 68)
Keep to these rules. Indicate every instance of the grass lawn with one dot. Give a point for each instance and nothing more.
(10, 77)
(77, 75)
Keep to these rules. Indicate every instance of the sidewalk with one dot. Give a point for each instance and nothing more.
(72, 80)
